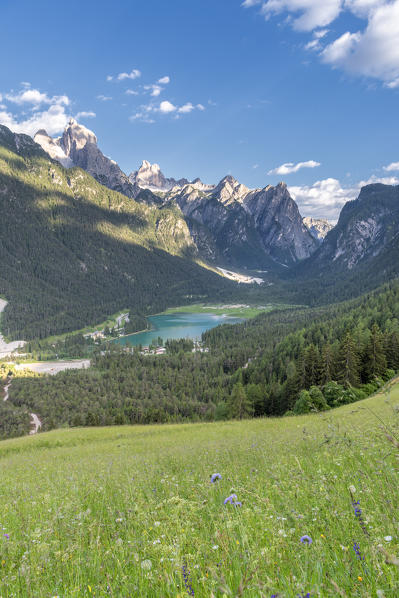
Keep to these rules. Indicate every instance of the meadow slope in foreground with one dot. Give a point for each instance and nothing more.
(131, 511)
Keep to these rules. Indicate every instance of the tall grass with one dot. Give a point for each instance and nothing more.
(131, 511)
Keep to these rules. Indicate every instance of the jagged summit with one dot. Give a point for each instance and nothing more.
(78, 147)
(318, 227)
(149, 176)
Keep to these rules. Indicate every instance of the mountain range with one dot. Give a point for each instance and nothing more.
(144, 241)
(229, 223)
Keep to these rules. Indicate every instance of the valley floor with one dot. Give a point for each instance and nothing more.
(131, 511)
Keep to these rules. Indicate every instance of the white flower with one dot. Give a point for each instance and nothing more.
(352, 489)
(119, 520)
(157, 523)
(215, 547)
(388, 538)
(147, 564)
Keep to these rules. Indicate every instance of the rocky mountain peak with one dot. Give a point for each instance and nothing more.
(76, 137)
(317, 227)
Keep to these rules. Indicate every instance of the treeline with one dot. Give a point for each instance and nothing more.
(282, 362)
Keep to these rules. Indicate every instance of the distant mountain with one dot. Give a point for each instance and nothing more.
(73, 252)
(78, 147)
(251, 228)
(318, 228)
(229, 223)
(358, 254)
(367, 228)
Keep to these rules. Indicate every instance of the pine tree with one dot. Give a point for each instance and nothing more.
(348, 362)
(327, 365)
(375, 363)
(239, 405)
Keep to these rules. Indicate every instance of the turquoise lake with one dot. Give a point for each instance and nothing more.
(174, 326)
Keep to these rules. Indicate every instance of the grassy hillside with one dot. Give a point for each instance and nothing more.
(73, 252)
(130, 511)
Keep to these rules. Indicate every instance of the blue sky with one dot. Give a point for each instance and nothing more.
(206, 88)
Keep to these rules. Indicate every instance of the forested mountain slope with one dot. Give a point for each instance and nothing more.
(338, 353)
(358, 254)
(73, 251)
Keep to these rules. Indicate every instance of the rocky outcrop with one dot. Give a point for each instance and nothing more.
(78, 147)
(318, 228)
(149, 176)
(367, 227)
(248, 227)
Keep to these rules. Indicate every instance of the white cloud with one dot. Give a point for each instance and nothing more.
(104, 98)
(155, 90)
(312, 13)
(85, 115)
(325, 198)
(166, 107)
(131, 92)
(393, 167)
(290, 167)
(53, 120)
(186, 109)
(372, 51)
(134, 74)
(35, 97)
(147, 112)
(164, 80)
(33, 110)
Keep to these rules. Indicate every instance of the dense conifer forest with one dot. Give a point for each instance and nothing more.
(284, 362)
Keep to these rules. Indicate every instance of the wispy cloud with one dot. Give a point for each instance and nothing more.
(84, 114)
(371, 51)
(393, 167)
(104, 98)
(134, 74)
(290, 167)
(164, 80)
(146, 112)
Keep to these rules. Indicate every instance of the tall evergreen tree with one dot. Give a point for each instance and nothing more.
(239, 406)
(375, 363)
(348, 362)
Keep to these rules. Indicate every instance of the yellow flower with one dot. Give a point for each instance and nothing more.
(360, 578)
(89, 588)
(322, 536)
(3, 562)
(237, 542)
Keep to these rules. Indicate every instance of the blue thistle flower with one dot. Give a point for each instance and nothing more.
(306, 540)
(215, 477)
(230, 499)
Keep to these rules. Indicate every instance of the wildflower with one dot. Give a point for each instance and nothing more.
(215, 477)
(356, 548)
(352, 489)
(322, 536)
(215, 547)
(360, 578)
(306, 540)
(119, 520)
(238, 504)
(7, 536)
(146, 564)
(388, 538)
(187, 580)
(231, 499)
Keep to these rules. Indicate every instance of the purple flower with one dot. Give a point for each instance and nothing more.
(306, 540)
(7, 536)
(238, 504)
(230, 499)
(215, 477)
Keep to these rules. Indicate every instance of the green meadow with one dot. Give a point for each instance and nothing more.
(237, 311)
(131, 511)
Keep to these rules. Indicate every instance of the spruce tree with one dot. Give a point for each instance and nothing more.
(375, 363)
(239, 406)
(348, 362)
